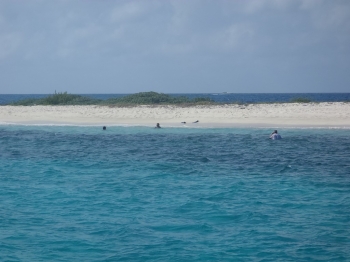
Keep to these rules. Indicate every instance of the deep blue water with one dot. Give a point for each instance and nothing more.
(218, 97)
(173, 194)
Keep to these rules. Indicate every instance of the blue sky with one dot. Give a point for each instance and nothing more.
(174, 46)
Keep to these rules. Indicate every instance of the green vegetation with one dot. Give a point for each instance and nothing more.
(153, 98)
(143, 98)
(300, 100)
(58, 99)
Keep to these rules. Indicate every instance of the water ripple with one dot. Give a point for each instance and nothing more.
(181, 195)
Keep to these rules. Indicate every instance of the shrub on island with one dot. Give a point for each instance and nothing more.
(300, 100)
(154, 98)
(58, 99)
(143, 98)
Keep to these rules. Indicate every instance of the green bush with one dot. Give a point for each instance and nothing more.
(153, 98)
(143, 98)
(300, 100)
(59, 99)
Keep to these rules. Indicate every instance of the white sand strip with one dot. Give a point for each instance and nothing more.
(328, 114)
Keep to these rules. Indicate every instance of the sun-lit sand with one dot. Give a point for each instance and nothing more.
(328, 114)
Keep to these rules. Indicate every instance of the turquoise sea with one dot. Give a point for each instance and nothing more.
(75, 193)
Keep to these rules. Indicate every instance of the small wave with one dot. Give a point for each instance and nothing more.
(177, 126)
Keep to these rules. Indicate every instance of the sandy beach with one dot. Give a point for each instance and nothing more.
(329, 114)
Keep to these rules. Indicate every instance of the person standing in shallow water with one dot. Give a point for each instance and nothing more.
(157, 126)
(275, 135)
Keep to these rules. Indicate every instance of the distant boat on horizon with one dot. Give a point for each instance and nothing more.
(223, 93)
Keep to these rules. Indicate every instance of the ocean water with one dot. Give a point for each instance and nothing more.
(218, 97)
(173, 194)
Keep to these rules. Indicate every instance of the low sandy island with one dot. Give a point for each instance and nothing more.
(328, 114)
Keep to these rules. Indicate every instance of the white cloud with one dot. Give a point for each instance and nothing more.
(128, 11)
(336, 16)
(329, 15)
(309, 4)
(254, 6)
(81, 40)
(161, 34)
(235, 37)
(9, 43)
(182, 14)
(81, 35)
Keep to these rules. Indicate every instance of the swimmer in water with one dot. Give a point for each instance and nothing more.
(157, 126)
(104, 128)
(275, 135)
